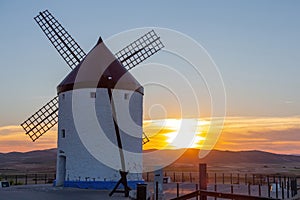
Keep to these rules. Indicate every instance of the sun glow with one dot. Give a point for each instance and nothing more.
(278, 135)
(178, 133)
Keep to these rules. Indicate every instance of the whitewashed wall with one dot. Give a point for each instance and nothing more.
(95, 130)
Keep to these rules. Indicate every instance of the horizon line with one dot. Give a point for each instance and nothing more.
(220, 150)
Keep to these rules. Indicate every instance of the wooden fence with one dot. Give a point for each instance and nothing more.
(251, 185)
(257, 185)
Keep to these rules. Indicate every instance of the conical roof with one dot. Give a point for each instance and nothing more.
(99, 69)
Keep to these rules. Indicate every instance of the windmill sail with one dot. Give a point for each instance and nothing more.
(41, 121)
(63, 42)
(133, 54)
(145, 138)
(139, 50)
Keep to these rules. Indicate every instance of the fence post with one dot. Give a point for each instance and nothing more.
(177, 189)
(197, 190)
(156, 193)
(253, 179)
(288, 187)
(203, 179)
(182, 177)
(35, 177)
(191, 179)
(296, 184)
(260, 179)
(16, 180)
(245, 179)
(269, 192)
(259, 190)
(223, 178)
(280, 180)
(215, 184)
(45, 178)
(282, 190)
(293, 186)
(276, 190)
(238, 178)
(25, 179)
(215, 181)
(174, 177)
(249, 189)
(231, 178)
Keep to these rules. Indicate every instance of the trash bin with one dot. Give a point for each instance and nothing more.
(141, 193)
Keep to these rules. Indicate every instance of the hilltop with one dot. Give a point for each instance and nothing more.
(33, 161)
(45, 160)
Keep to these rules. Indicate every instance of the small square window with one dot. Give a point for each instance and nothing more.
(63, 133)
(93, 94)
(126, 96)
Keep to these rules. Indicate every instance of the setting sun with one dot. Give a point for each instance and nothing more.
(178, 133)
(238, 133)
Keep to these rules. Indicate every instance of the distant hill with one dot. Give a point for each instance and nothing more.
(224, 157)
(253, 162)
(33, 161)
(45, 160)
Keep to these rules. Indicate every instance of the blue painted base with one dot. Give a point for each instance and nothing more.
(103, 185)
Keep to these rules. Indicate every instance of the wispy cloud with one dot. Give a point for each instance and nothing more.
(279, 135)
(13, 138)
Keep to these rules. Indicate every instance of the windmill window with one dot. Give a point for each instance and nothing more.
(93, 94)
(126, 96)
(63, 133)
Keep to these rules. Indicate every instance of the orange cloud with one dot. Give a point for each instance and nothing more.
(13, 138)
(278, 135)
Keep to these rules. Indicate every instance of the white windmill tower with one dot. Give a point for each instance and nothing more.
(100, 89)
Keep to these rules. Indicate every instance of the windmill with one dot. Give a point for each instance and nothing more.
(106, 85)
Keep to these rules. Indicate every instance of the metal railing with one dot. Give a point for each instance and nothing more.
(28, 179)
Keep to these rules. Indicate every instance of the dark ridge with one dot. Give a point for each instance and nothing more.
(45, 160)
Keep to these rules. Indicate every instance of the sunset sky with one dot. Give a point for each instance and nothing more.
(255, 45)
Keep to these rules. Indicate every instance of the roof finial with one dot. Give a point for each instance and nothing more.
(99, 40)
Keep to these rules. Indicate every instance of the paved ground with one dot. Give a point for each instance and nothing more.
(47, 192)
